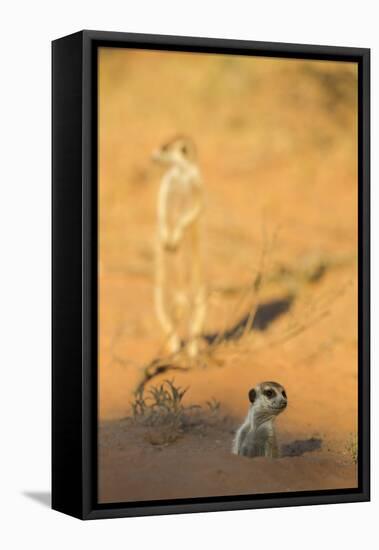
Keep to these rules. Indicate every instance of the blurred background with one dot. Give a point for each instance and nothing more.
(277, 145)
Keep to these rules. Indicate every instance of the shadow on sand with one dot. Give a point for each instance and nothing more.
(266, 314)
(301, 446)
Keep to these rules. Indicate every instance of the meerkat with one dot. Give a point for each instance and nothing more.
(179, 286)
(256, 436)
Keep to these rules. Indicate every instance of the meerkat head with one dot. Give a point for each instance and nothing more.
(268, 397)
(177, 151)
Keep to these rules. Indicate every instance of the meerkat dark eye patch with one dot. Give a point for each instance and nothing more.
(284, 394)
(269, 393)
(252, 395)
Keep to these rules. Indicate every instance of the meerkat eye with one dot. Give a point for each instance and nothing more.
(269, 393)
(284, 394)
(252, 395)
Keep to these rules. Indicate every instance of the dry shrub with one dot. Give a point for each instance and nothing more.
(352, 448)
(164, 417)
(160, 409)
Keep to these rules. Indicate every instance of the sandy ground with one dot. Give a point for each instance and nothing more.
(200, 464)
(277, 145)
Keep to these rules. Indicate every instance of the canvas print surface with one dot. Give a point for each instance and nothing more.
(227, 275)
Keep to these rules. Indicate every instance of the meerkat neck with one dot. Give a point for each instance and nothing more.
(184, 165)
(258, 418)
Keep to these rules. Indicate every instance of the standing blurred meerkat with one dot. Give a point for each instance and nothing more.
(256, 436)
(179, 284)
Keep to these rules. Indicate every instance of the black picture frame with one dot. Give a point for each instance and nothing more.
(74, 273)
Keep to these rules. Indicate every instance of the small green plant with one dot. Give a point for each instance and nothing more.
(214, 405)
(159, 403)
(160, 410)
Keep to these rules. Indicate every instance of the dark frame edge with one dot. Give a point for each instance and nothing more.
(83, 500)
(201, 42)
(67, 421)
(225, 506)
(364, 272)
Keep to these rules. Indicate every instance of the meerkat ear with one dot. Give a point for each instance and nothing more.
(252, 395)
